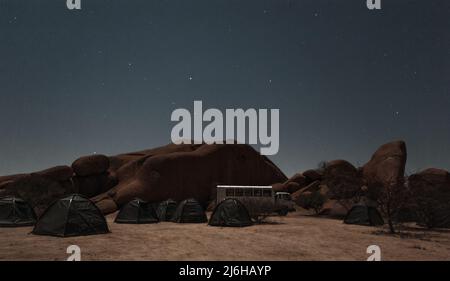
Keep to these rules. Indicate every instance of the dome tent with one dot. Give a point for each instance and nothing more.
(16, 212)
(189, 211)
(74, 215)
(230, 212)
(137, 211)
(166, 209)
(364, 215)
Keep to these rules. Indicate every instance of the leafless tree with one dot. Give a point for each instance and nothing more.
(391, 197)
(314, 200)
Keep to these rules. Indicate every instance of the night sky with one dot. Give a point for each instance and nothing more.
(106, 79)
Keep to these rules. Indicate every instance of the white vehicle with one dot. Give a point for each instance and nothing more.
(257, 199)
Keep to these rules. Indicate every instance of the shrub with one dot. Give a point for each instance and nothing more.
(313, 200)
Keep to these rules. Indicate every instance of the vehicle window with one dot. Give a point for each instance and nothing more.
(267, 193)
(230, 192)
(257, 193)
(248, 192)
(238, 192)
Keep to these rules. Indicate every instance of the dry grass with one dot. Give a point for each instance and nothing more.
(295, 237)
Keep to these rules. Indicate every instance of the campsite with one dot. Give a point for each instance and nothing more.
(294, 237)
(155, 205)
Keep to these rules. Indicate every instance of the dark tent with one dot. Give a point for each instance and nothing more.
(363, 215)
(189, 211)
(137, 211)
(74, 215)
(230, 212)
(16, 212)
(166, 209)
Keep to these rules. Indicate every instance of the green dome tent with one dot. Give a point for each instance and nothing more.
(166, 209)
(189, 211)
(74, 215)
(16, 212)
(230, 212)
(364, 215)
(137, 211)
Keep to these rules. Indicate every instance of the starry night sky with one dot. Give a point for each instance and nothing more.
(106, 79)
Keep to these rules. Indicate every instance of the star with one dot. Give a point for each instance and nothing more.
(130, 66)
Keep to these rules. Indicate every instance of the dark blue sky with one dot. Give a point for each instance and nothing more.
(106, 79)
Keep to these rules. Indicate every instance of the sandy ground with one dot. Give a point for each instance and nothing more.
(295, 237)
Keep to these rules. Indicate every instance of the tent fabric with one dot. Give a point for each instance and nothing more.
(166, 209)
(364, 215)
(15, 212)
(230, 212)
(189, 211)
(443, 217)
(137, 211)
(74, 215)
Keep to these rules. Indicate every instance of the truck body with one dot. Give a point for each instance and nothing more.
(257, 199)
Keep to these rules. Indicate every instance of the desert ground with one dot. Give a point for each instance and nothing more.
(294, 237)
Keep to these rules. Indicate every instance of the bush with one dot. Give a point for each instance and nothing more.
(391, 200)
(313, 200)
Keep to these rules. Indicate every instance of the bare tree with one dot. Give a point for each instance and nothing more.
(344, 188)
(391, 198)
(313, 200)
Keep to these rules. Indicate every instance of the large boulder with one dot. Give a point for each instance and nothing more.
(279, 187)
(334, 209)
(313, 175)
(39, 191)
(340, 168)
(10, 178)
(94, 185)
(306, 191)
(91, 165)
(432, 177)
(295, 183)
(192, 174)
(58, 173)
(342, 179)
(118, 161)
(299, 179)
(387, 165)
(430, 191)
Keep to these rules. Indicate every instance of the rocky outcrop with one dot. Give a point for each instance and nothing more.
(58, 173)
(38, 190)
(340, 181)
(171, 171)
(195, 173)
(332, 208)
(387, 165)
(90, 165)
(313, 175)
(430, 190)
(340, 168)
(94, 185)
